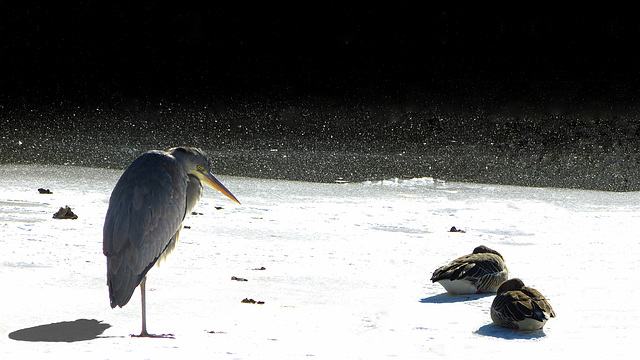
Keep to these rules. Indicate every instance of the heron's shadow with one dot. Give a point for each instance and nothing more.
(66, 331)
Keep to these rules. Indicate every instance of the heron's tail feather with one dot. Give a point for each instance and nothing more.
(122, 284)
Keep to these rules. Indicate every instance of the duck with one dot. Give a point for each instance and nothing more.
(480, 272)
(519, 307)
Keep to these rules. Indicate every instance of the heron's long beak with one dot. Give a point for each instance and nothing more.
(211, 180)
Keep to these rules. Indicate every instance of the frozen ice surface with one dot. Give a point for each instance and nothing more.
(346, 276)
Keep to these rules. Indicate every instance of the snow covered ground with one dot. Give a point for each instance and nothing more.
(346, 271)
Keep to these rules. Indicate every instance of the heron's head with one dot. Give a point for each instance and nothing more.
(196, 162)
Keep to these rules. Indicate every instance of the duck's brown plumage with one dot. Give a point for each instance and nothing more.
(517, 306)
(479, 272)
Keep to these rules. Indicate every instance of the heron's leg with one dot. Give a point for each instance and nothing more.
(144, 307)
(144, 332)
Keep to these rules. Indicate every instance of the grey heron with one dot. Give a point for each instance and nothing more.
(145, 215)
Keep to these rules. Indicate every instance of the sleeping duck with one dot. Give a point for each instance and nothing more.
(479, 272)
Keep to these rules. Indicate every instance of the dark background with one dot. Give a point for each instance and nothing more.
(538, 95)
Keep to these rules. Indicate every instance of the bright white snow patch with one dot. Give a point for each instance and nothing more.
(347, 270)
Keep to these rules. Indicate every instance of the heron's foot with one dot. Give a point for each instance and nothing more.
(145, 334)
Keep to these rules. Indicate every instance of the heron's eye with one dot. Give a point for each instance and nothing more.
(200, 168)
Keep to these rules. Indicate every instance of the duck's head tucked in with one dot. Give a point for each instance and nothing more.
(517, 306)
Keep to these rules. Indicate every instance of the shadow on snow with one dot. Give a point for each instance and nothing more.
(446, 298)
(496, 331)
(66, 331)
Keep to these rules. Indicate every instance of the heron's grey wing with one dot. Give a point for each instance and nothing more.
(146, 209)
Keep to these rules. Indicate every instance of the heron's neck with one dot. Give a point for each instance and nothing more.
(194, 192)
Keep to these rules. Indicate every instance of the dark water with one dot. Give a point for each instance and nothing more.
(327, 140)
(543, 97)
